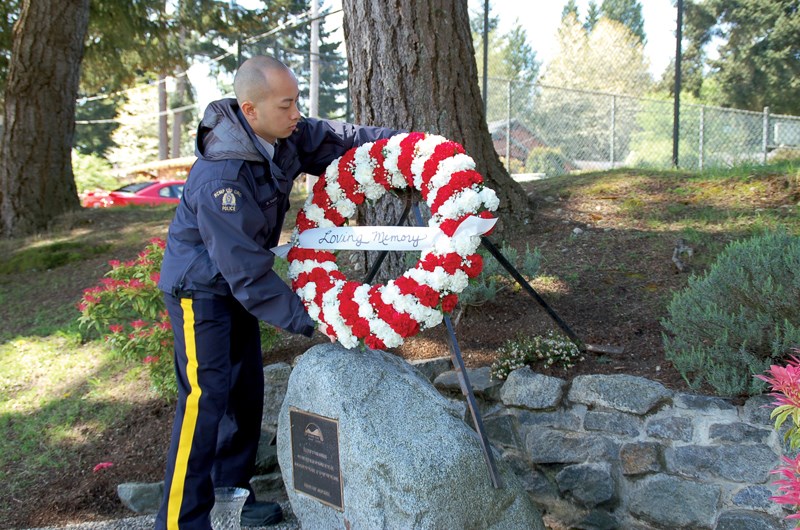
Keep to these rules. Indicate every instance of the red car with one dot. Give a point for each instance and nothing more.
(148, 193)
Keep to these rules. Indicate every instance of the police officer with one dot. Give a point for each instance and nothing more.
(218, 282)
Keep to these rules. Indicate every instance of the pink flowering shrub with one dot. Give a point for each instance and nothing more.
(127, 309)
(785, 383)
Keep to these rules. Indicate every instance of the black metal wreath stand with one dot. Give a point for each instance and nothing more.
(455, 356)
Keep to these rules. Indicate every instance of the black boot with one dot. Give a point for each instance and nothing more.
(261, 514)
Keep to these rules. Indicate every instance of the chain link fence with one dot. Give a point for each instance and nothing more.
(554, 130)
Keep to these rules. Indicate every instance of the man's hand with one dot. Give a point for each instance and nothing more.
(332, 339)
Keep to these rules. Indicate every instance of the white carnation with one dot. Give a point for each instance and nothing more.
(313, 312)
(361, 297)
(466, 246)
(345, 207)
(458, 281)
(489, 199)
(391, 158)
(464, 202)
(385, 333)
(314, 213)
(332, 179)
(297, 267)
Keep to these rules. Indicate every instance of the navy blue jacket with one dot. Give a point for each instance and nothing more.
(233, 207)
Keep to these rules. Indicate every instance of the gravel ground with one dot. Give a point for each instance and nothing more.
(146, 522)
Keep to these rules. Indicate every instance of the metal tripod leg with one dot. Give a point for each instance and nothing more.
(466, 387)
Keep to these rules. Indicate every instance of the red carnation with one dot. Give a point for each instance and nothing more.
(475, 265)
(347, 181)
(449, 302)
(449, 226)
(304, 223)
(374, 343)
(360, 328)
(451, 262)
(379, 174)
(426, 295)
(407, 146)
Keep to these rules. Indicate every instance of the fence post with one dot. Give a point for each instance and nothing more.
(765, 135)
(701, 147)
(508, 129)
(613, 128)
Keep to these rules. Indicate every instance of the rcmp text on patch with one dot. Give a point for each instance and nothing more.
(230, 199)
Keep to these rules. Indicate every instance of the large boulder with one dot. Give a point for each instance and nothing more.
(406, 457)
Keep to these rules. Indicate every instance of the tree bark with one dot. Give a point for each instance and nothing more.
(177, 117)
(163, 123)
(412, 67)
(36, 179)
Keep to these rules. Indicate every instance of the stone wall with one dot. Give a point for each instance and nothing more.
(616, 451)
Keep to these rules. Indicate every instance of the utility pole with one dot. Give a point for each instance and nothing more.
(235, 12)
(485, 55)
(676, 113)
(313, 92)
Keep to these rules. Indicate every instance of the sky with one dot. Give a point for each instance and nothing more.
(540, 18)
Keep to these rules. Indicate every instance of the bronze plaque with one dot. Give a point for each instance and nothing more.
(315, 457)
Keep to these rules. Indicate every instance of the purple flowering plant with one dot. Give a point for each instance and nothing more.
(785, 384)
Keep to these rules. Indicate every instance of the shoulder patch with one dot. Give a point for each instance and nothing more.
(229, 199)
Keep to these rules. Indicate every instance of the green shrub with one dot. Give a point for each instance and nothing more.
(548, 160)
(739, 317)
(550, 350)
(92, 172)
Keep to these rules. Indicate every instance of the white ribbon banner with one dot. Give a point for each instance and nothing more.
(396, 238)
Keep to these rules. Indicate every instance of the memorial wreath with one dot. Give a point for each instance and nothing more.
(384, 315)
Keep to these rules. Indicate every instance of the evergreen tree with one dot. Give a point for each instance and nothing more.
(758, 61)
(36, 179)
(592, 16)
(626, 12)
(333, 80)
(521, 66)
(476, 19)
(570, 8)
(95, 137)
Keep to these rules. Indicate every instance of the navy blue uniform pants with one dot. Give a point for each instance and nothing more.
(217, 425)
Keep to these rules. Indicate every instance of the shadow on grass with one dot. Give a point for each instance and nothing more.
(49, 448)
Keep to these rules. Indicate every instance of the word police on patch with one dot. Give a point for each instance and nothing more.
(230, 199)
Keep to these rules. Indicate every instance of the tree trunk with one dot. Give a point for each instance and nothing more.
(36, 179)
(177, 117)
(412, 67)
(163, 123)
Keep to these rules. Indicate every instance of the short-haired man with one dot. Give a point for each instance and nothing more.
(218, 282)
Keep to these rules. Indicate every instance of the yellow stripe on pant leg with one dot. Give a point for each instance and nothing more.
(189, 417)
